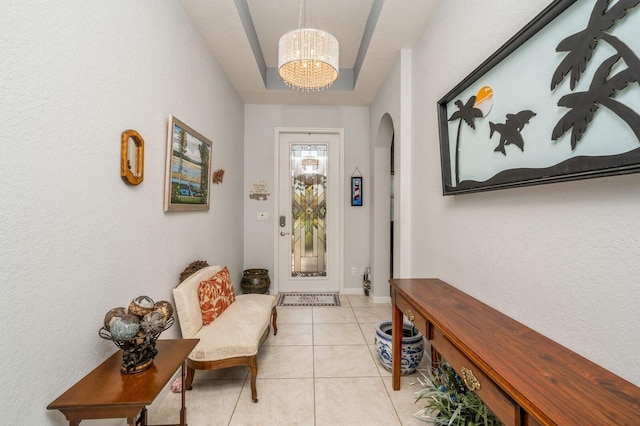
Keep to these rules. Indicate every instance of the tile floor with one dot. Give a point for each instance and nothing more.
(320, 369)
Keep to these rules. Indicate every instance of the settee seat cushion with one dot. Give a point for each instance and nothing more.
(237, 331)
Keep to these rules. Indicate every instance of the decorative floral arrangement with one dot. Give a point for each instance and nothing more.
(450, 402)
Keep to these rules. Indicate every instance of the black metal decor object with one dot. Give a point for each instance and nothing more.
(606, 51)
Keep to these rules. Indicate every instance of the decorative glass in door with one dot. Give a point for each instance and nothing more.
(309, 210)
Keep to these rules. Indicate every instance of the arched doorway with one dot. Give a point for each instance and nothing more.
(381, 222)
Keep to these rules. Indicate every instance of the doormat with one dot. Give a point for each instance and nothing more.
(308, 299)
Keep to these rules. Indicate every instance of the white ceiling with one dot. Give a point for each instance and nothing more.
(231, 26)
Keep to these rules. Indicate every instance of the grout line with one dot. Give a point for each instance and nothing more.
(313, 369)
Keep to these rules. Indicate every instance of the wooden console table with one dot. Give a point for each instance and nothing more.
(105, 393)
(524, 377)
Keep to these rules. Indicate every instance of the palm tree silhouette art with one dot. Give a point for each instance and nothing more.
(603, 88)
(467, 113)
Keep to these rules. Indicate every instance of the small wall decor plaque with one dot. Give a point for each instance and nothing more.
(217, 176)
(259, 191)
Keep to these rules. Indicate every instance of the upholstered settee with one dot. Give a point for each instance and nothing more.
(233, 337)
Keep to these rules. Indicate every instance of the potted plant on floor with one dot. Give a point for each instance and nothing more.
(412, 346)
(450, 402)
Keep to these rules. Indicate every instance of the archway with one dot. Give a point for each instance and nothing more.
(381, 247)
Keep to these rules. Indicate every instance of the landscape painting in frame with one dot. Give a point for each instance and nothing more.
(560, 101)
(188, 168)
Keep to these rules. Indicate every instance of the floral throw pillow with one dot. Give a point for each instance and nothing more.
(215, 295)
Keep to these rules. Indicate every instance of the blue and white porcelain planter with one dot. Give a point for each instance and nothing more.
(412, 347)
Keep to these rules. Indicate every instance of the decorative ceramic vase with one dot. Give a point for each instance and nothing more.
(255, 281)
(412, 346)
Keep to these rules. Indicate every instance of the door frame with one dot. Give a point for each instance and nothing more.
(341, 194)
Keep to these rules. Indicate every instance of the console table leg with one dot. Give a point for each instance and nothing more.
(183, 408)
(396, 344)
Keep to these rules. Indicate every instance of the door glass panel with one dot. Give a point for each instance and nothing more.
(308, 210)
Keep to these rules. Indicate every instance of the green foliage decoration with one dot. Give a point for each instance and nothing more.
(450, 402)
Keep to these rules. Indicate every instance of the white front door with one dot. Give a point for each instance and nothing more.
(309, 211)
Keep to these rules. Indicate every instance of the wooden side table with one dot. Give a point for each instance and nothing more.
(106, 393)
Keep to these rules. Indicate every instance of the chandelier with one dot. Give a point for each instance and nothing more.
(307, 57)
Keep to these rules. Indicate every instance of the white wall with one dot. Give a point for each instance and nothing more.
(561, 258)
(75, 239)
(260, 124)
(392, 102)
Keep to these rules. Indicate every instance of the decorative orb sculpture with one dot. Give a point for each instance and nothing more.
(153, 322)
(124, 328)
(141, 306)
(115, 312)
(136, 330)
(165, 308)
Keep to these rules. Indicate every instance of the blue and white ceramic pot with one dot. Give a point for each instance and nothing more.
(412, 346)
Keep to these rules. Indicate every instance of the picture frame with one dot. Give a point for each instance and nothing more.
(188, 168)
(356, 191)
(550, 105)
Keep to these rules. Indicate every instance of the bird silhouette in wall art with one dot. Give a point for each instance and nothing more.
(510, 130)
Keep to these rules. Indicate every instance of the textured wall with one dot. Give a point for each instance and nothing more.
(76, 240)
(561, 258)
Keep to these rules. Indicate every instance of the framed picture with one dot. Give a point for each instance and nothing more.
(559, 101)
(188, 168)
(356, 191)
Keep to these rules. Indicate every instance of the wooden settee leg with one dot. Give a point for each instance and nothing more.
(189, 380)
(253, 366)
(274, 317)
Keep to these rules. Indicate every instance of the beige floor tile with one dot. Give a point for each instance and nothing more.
(321, 368)
(404, 400)
(280, 402)
(333, 315)
(369, 332)
(210, 403)
(291, 335)
(344, 361)
(294, 315)
(344, 301)
(372, 315)
(337, 334)
(353, 401)
(360, 301)
(285, 362)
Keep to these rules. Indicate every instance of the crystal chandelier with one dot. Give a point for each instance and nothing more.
(307, 57)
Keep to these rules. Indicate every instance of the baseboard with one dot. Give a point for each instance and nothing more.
(385, 299)
(352, 291)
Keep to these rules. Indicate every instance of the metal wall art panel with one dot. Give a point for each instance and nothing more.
(559, 101)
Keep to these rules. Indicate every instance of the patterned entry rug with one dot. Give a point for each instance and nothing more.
(308, 299)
